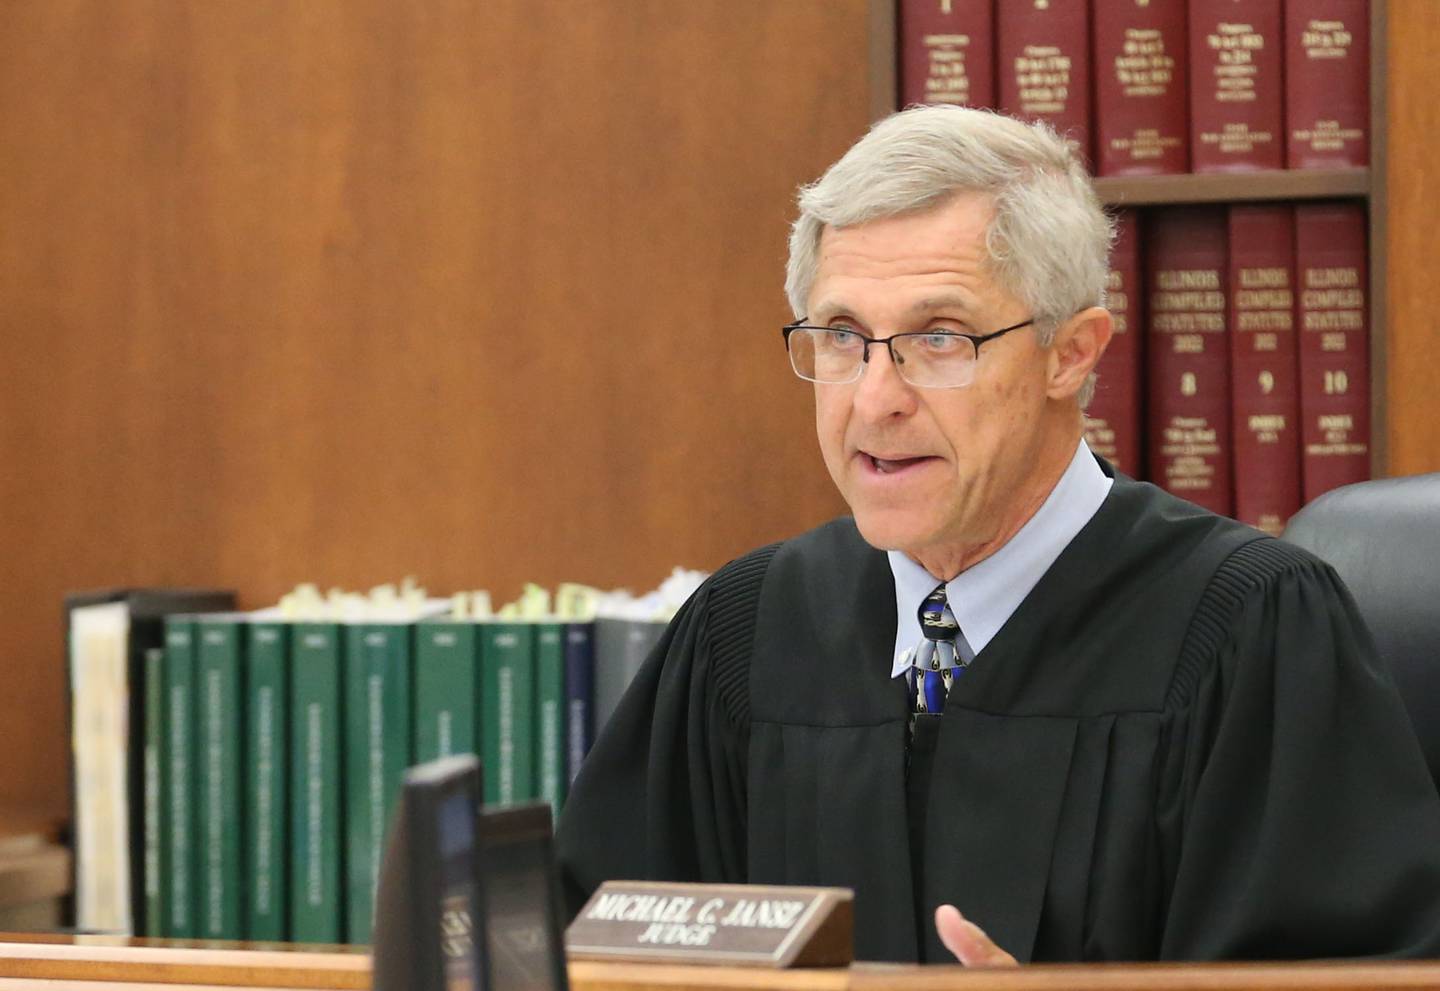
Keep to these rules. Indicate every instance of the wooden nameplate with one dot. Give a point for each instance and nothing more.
(729, 924)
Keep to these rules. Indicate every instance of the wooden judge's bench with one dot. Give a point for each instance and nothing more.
(106, 963)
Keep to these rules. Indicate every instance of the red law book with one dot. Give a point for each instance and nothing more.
(1334, 345)
(1265, 398)
(1044, 64)
(1140, 104)
(1236, 91)
(1327, 83)
(947, 52)
(1112, 422)
(1188, 360)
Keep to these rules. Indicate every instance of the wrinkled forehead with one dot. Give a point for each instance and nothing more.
(910, 265)
(978, 206)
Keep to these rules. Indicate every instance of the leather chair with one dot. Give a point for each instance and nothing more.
(1383, 537)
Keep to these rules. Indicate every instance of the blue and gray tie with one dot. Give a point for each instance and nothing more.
(935, 662)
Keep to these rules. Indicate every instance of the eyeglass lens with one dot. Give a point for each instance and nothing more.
(837, 356)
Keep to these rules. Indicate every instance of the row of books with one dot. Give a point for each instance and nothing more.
(235, 773)
(1238, 374)
(1156, 86)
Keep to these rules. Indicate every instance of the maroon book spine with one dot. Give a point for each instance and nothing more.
(947, 52)
(1327, 83)
(1044, 64)
(1334, 345)
(1112, 421)
(1265, 397)
(1236, 90)
(1141, 126)
(1188, 361)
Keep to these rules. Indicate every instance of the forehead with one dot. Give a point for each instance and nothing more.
(938, 253)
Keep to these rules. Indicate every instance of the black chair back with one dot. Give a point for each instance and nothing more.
(1383, 537)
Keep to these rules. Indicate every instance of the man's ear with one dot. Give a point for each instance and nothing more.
(1079, 343)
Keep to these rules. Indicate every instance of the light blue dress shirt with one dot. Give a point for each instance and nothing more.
(983, 597)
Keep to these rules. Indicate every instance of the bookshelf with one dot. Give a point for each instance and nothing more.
(1368, 184)
(1234, 187)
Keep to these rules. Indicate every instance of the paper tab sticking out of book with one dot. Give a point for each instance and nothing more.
(726, 924)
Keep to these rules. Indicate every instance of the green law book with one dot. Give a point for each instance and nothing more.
(219, 708)
(507, 723)
(315, 893)
(266, 694)
(447, 689)
(377, 751)
(178, 777)
(550, 713)
(153, 923)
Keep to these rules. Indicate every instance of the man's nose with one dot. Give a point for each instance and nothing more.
(881, 392)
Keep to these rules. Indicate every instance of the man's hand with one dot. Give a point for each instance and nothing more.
(968, 941)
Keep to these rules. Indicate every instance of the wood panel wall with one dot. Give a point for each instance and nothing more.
(482, 291)
(1412, 305)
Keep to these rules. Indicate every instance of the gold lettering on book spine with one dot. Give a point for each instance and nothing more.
(1263, 310)
(947, 75)
(1333, 305)
(1188, 305)
(1326, 40)
(1144, 67)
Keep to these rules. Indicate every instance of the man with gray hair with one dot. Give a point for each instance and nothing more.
(1101, 722)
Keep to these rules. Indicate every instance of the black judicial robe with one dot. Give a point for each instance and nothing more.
(1180, 746)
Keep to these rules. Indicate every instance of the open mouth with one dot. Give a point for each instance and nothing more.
(894, 466)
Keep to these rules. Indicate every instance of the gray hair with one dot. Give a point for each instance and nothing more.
(1048, 242)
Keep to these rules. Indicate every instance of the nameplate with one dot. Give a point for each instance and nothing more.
(728, 924)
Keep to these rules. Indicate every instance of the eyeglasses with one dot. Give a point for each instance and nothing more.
(930, 359)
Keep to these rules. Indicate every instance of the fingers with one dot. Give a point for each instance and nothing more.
(968, 941)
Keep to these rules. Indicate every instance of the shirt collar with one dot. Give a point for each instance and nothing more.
(984, 597)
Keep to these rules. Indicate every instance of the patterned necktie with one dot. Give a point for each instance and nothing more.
(935, 661)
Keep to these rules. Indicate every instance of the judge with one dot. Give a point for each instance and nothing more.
(1027, 708)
